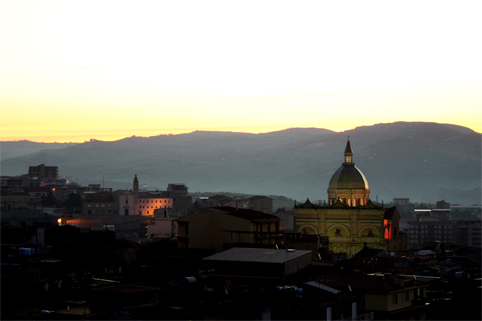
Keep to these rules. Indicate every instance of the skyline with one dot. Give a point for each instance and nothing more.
(78, 70)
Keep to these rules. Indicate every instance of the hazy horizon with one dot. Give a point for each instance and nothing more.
(219, 131)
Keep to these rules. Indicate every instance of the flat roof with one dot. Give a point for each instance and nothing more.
(241, 254)
(322, 287)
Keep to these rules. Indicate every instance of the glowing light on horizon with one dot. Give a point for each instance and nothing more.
(76, 70)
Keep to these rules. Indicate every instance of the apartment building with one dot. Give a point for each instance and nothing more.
(214, 227)
(467, 233)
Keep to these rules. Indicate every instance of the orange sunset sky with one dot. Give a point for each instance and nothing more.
(76, 70)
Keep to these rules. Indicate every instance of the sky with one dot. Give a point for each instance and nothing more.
(71, 71)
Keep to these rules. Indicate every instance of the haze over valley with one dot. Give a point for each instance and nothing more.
(423, 161)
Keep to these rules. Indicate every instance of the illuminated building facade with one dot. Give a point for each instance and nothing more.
(135, 202)
(350, 219)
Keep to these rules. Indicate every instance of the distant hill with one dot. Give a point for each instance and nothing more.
(11, 149)
(423, 161)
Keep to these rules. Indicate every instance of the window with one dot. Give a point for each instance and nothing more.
(127, 201)
(407, 296)
(395, 299)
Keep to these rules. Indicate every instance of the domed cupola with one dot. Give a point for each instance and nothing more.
(348, 184)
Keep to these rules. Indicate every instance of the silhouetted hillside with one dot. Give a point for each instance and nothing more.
(423, 161)
(11, 149)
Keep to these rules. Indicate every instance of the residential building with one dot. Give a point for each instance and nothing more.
(162, 227)
(257, 283)
(11, 183)
(45, 175)
(467, 233)
(220, 227)
(42, 171)
(426, 230)
(101, 203)
(181, 201)
(258, 203)
(20, 200)
(261, 204)
(388, 296)
(239, 264)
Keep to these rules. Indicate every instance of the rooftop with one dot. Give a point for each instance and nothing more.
(245, 213)
(239, 254)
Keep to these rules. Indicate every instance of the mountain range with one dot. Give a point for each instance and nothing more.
(423, 161)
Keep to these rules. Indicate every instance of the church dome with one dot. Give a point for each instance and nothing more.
(348, 177)
(348, 185)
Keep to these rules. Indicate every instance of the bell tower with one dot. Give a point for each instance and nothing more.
(135, 189)
(135, 185)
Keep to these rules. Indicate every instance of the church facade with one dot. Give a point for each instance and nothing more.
(349, 219)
